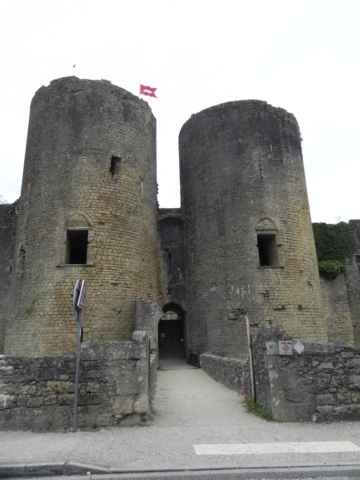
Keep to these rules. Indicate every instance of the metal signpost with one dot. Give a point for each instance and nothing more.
(252, 381)
(79, 307)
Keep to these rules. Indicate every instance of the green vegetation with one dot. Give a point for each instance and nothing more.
(30, 309)
(331, 268)
(257, 409)
(332, 244)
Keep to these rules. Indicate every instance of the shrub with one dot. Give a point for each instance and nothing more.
(332, 244)
(331, 268)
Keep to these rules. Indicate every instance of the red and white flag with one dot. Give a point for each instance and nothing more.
(144, 90)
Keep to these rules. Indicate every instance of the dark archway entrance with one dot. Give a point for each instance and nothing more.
(172, 333)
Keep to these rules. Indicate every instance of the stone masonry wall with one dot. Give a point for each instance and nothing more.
(37, 393)
(171, 257)
(321, 383)
(148, 315)
(232, 372)
(8, 224)
(311, 381)
(337, 311)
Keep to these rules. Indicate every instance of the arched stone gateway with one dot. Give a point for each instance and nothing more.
(171, 333)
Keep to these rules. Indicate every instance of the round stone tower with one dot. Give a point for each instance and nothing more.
(249, 247)
(87, 210)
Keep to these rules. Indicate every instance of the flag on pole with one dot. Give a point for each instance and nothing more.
(144, 90)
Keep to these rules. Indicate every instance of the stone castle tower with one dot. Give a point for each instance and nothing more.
(249, 246)
(241, 244)
(87, 210)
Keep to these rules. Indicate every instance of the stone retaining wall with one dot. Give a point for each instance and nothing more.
(306, 380)
(232, 372)
(37, 393)
(295, 380)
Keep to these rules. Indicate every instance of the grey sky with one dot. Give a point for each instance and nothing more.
(298, 55)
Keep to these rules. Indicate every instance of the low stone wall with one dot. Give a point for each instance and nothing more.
(295, 380)
(232, 372)
(302, 381)
(37, 393)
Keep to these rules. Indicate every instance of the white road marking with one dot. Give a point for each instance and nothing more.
(230, 449)
(285, 447)
(288, 447)
(321, 447)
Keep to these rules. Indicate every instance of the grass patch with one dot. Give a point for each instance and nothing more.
(31, 308)
(257, 409)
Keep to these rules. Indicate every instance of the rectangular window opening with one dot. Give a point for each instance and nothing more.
(114, 165)
(76, 247)
(268, 251)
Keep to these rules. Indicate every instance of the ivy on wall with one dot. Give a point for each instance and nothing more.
(332, 244)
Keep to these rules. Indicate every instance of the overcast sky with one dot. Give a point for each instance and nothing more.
(301, 55)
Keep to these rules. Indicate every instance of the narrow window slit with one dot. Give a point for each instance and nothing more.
(114, 165)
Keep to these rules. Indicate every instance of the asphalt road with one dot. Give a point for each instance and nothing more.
(199, 426)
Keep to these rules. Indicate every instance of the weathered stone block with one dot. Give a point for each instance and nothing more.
(354, 382)
(344, 398)
(6, 370)
(348, 355)
(355, 363)
(320, 348)
(344, 412)
(92, 417)
(93, 399)
(29, 389)
(22, 401)
(123, 404)
(355, 398)
(65, 399)
(91, 387)
(7, 401)
(140, 336)
(325, 366)
(35, 402)
(59, 387)
(326, 399)
(50, 399)
(141, 404)
(324, 409)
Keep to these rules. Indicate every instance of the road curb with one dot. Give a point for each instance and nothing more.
(79, 470)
